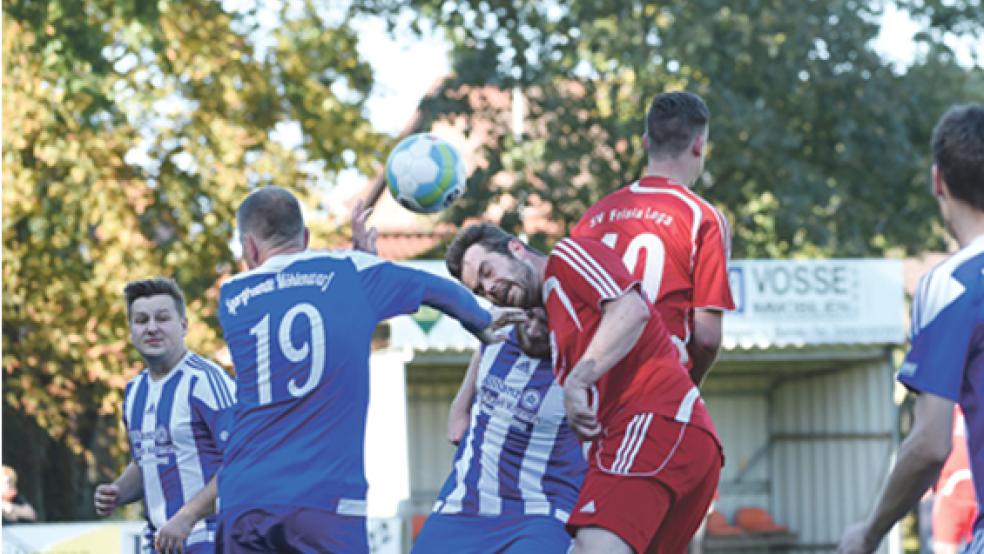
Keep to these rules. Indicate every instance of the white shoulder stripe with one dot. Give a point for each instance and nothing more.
(602, 291)
(601, 271)
(725, 230)
(600, 281)
(216, 378)
(219, 382)
(938, 288)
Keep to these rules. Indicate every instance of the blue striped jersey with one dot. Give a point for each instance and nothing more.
(299, 329)
(519, 456)
(177, 427)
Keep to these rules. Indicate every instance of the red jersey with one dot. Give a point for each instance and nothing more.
(673, 241)
(955, 479)
(582, 274)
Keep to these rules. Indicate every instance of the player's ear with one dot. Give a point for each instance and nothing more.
(939, 187)
(251, 250)
(516, 247)
(697, 146)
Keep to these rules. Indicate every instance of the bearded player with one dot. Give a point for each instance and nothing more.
(654, 459)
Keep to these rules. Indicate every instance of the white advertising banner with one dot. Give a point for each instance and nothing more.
(811, 302)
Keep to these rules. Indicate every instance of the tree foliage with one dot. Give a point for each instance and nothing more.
(131, 132)
(819, 146)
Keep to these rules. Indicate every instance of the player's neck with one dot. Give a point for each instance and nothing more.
(672, 170)
(279, 250)
(160, 367)
(966, 224)
(539, 264)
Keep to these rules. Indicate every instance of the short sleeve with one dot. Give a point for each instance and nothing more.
(943, 323)
(213, 398)
(590, 270)
(711, 287)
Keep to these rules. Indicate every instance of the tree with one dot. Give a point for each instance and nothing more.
(818, 146)
(131, 132)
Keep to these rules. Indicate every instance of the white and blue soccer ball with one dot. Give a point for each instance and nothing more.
(425, 173)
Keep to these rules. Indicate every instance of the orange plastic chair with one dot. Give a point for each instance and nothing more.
(757, 520)
(718, 526)
(416, 524)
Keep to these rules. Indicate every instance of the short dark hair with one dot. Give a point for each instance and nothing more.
(673, 120)
(152, 287)
(958, 152)
(271, 214)
(492, 237)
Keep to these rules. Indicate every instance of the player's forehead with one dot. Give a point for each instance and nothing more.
(475, 260)
(154, 304)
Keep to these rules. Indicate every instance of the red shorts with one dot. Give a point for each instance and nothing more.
(953, 519)
(650, 481)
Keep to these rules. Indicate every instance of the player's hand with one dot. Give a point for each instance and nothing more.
(363, 238)
(581, 416)
(501, 317)
(458, 419)
(106, 498)
(171, 536)
(857, 540)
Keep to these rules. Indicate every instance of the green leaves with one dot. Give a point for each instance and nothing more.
(817, 146)
(132, 130)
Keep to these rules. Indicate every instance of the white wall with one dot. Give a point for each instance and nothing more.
(742, 424)
(386, 434)
(833, 437)
(430, 454)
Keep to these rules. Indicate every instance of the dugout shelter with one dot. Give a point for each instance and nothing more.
(802, 395)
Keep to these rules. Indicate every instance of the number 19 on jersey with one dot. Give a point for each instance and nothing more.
(313, 348)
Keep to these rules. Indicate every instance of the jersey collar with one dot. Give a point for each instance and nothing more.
(656, 182)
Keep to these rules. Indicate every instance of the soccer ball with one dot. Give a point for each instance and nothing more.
(425, 173)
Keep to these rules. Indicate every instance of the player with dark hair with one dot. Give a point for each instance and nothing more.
(945, 364)
(672, 240)
(176, 413)
(654, 460)
(299, 325)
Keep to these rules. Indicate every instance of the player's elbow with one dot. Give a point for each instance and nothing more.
(706, 346)
(928, 450)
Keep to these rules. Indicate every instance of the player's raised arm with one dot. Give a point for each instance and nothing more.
(458, 302)
(394, 289)
(363, 237)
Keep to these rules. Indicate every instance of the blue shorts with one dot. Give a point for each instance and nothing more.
(290, 530)
(465, 534)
